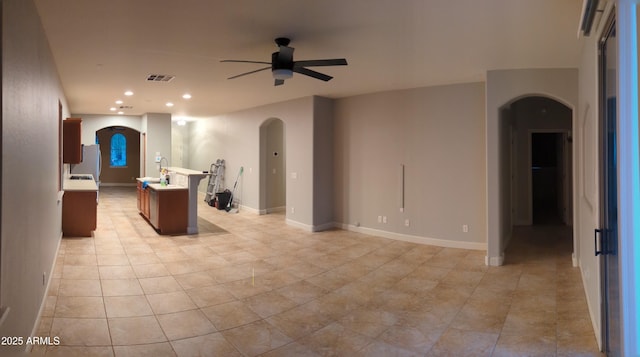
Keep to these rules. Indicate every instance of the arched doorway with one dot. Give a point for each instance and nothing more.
(120, 153)
(272, 166)
(536, 166)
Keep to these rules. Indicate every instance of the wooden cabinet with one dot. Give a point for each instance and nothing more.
(72, 141)
(143, 200)
(79, 213)
(165, 209)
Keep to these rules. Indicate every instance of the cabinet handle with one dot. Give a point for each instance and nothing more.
(595, 241)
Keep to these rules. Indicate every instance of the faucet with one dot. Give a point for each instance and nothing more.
(165, 159)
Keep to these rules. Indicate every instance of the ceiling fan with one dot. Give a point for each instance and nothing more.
(282, 64)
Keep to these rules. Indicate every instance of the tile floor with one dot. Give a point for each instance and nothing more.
(264, 288)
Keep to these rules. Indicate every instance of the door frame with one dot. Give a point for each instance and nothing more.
(628, 173)
(565, 184)
(603, 227)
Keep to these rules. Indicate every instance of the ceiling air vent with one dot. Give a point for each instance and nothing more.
(160, 78)
(125, 107)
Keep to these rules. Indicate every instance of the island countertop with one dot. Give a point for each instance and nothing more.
(154, 183)
(186, 172)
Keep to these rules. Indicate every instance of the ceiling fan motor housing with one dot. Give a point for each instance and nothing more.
(278, 62)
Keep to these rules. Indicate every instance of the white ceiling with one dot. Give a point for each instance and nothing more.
(104, 47)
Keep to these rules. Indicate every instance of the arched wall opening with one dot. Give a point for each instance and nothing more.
(502, 88)
(120, 155)
(536, 163)
(272, 166)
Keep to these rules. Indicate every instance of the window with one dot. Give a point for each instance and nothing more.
(118, 150)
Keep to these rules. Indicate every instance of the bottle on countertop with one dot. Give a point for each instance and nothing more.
(163, 177)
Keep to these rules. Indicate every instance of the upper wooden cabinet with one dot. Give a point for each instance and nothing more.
(72, 141)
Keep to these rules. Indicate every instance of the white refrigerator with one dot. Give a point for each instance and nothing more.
(91, 162)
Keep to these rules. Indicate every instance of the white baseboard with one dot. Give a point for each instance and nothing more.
(251, 210)
(324, 227)
(494, 261)
(311, 228)
(414, 239)
(275, 209)
(297, 224)
(34, 331)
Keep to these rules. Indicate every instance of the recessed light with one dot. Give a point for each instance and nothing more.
(128, 93)
(169, 104)
(113, 109)
(186, 96)
(119, 101)
(182, 122)
(120, 113)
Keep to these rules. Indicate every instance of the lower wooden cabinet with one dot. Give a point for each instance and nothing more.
(79, 213)
(165, 209)
(143, 200)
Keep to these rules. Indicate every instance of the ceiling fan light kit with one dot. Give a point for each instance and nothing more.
(282, 64)
(282, 73)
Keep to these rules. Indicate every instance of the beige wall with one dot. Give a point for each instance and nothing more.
(179, 145)
(235, 137)
(31, 210)
(119, 175)
(157, 127)
(438, 134)
(272, 151)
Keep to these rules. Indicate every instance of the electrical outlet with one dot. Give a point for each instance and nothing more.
(384, 219)
(465, 228)
(293, 210)
(406, 223)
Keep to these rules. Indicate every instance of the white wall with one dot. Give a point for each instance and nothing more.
(31, 211)
(438, 134)
(503, 87)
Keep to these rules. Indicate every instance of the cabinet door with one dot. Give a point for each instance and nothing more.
(72, 141)
(139, 196)
(79, 213)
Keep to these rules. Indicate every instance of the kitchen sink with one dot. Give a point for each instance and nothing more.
(81, 177)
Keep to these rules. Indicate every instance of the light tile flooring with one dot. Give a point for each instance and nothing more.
(264, 288)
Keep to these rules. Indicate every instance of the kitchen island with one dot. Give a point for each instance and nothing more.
(165, 207)
(176, 202)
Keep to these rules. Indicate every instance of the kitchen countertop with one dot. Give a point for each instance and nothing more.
(186, 172)
(154, 183)
(79, 185)
(170, 187)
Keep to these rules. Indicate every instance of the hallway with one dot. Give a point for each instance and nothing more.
(250, 285)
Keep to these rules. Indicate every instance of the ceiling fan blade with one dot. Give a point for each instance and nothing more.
(321, 62)
(278, 82)
(244, 74)
(241, 61)
(312, 73)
